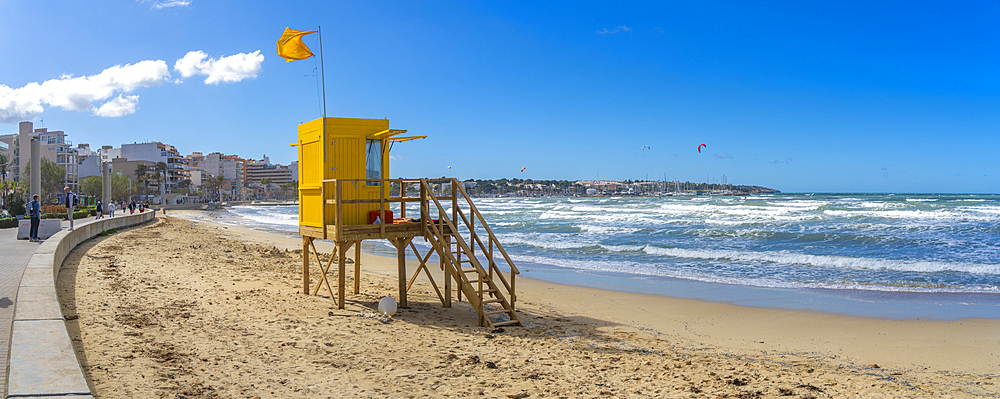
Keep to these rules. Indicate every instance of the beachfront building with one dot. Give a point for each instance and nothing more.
(261, 171)
(195, 176)
(108, 153)
(128, 167)
(258, 170)
(54, 147)
(604, 186)
(88, 162)
(157, 152)
(232, 168)
(194, 160)
(5, 151)
(194, 172)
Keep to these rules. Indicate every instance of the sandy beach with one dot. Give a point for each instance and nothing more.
(182, 308)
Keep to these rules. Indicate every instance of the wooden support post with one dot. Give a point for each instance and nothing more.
(305, 264)
(322, 195)
(425, 210)
(357, 267)
(339, 213)
(423, 266)
(342, 266)
(401, 264)
(447, 270)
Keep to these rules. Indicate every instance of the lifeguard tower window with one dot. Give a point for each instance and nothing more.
(373, 161)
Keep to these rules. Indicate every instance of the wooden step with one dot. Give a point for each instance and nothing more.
(497, 312)
(489, 290)
(506, 323)
(491, 301)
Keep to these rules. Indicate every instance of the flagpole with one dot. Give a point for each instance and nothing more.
(322, 77)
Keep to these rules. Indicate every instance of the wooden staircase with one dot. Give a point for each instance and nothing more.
(454, 237)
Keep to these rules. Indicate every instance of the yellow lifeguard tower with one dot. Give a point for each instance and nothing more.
(345, 196)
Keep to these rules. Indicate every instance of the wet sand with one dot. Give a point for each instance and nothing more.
(184, 309)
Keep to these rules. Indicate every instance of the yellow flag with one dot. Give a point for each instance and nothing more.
(290, 45)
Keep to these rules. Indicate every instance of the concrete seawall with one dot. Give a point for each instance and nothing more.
(42, 360)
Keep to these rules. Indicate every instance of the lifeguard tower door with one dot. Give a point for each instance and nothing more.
(354, 149)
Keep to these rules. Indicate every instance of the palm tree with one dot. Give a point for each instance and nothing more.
(209, 185)
(161, 177)
(267, 185)
(214, 185)
(141, 174)
(4, 162)
(8, 189)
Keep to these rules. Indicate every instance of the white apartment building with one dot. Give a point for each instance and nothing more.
(258, 170)
(108, 153)
(89, 162)
(231, 168)
(54, 147)
(156, 152)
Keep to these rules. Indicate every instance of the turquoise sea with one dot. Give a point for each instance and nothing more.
(886, 255)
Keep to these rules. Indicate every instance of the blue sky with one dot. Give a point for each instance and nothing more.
(802, 97)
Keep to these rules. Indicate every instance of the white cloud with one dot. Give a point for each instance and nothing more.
(621, 28)
(118, 106)
(111, 85)
(233, 68)
(161, 4)
(79, 93)
(191, 63)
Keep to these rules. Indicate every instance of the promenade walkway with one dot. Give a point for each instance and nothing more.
(13, 259)
(38, 358)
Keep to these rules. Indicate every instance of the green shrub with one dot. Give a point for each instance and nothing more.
(80, 214)
(17, 207)
(6, 223)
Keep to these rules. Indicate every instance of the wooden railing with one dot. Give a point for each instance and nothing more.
(383, 200)
(481, 236)
(489, 274)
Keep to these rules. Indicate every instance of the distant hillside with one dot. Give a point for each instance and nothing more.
(626, 187)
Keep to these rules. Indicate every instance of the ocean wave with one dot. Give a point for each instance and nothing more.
(546, 241)
(588, 228)
(653, 270)
(937, 215)
(871, 241)
(272, 215)
(826, 261)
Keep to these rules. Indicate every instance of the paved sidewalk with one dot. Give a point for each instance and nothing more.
(14, 257)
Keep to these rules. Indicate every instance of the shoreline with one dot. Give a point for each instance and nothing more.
(898, 305)
(968, 345)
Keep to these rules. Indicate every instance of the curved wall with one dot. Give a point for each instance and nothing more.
(42, 361)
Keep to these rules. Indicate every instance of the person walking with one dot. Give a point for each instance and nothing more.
(70, 205)
(111, 209)
(100, 210)
(35, 212)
